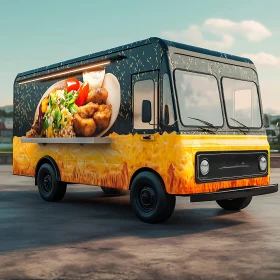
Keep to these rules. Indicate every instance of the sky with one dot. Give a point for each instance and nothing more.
(38, 33)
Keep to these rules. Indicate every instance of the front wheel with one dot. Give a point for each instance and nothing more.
(149, 199)
(49, 187)
(235, 204)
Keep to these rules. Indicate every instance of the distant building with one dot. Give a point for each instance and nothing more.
(6, 134)
(6, 130)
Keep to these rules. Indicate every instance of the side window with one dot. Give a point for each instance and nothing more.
(168, 112)
(143, 90)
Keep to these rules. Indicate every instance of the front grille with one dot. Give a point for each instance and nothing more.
(230, 165)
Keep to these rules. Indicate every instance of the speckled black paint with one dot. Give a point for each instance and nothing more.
(137, 59)
(142, 56)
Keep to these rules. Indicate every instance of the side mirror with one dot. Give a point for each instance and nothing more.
(146, 111)
(266, 120)
(166, 114)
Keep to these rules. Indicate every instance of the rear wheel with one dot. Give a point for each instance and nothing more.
(49, 187)
(112, 191)
(235, 204)
(149, 199)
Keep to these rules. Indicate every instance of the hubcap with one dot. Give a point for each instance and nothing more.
(147, 199)
(47, 183)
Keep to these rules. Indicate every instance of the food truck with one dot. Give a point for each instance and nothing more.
(155, 117)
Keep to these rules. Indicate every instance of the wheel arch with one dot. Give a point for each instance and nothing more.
(51, 161)
(145, 169)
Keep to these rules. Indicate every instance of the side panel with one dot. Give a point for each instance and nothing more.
(93, 164)
(171, 155)
(89, 164)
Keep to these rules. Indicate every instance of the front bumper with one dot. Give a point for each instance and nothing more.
(234, 193)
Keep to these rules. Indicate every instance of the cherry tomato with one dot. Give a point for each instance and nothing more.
(82, 94)
(72, 84)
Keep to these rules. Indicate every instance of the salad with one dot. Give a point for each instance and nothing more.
(55, 117)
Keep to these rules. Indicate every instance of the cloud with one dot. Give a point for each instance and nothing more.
(194, 35)
(263, 59)
(250, 29)
(223, 29)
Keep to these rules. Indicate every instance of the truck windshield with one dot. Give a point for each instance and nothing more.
(198, 98)
(242, 103)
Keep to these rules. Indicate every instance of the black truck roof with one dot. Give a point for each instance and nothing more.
(164, 43)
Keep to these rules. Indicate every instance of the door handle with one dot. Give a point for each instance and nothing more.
(147, 137)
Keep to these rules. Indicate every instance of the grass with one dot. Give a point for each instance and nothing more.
(6, 148)
(6, 151)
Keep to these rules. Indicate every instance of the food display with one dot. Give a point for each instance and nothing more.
(71, 108)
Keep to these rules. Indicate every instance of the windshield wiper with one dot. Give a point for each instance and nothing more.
(207, 123)
(207, 130)
(242, 125)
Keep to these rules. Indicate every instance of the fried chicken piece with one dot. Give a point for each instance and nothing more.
(103, 116)
(97, 95)
(87, 110)
(84, 126)
(83, 121)
(91, 117)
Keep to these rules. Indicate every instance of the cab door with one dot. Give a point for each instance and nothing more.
(145, 91)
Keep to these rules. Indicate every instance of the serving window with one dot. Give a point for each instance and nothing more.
(145, 90)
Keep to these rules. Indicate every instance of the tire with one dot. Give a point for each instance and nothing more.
(50, 189)
(112, 191)
(149, 199)
(235, 204)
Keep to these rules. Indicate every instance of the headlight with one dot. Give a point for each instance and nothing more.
(204, 167)
(262, 163)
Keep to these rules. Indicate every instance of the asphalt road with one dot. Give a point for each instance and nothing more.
(90, 236)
